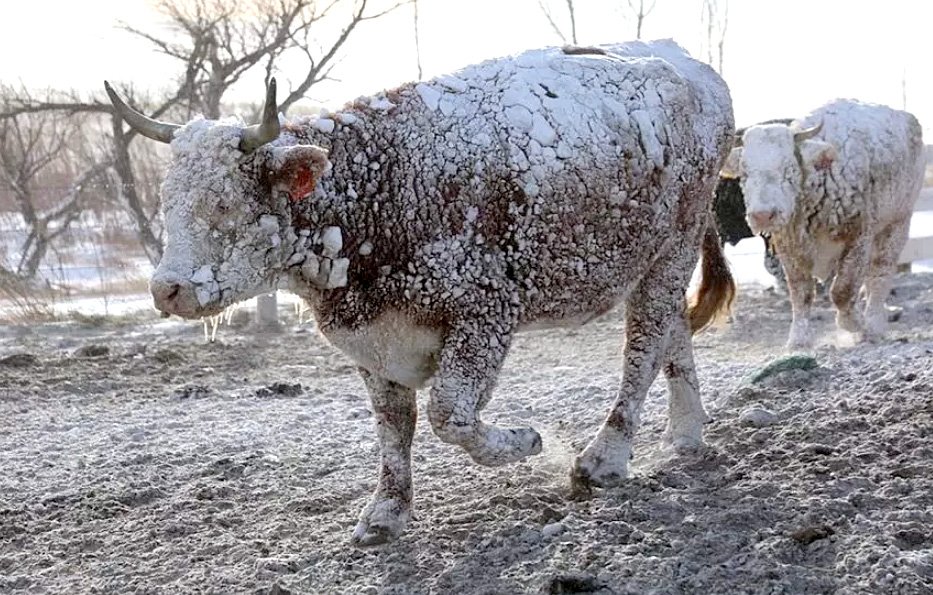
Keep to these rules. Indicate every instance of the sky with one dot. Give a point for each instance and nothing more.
(783, 58)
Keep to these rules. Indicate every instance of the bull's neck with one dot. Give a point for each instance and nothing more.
(330, 225)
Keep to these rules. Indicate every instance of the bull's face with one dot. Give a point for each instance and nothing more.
(225, 201)
(770, 160)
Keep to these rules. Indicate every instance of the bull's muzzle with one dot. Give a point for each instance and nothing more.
(763, 221)
(174, 295)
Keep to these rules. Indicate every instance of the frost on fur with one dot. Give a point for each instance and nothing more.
(428, 224)
(837, 202)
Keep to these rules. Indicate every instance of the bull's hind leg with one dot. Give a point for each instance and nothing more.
(885, 253)
(469, 364)
(395, 411)
(650, 311)
(686, 415)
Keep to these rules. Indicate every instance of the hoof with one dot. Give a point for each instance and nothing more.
(685, 433)
(853, 323)
(583, 479)
(684, 444)
(501, 447)
(382, 521)
(369, 535)
(797, 346)
(594, 469)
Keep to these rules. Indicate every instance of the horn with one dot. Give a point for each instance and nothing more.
(146, 126)
(257, 135)
(807, 133)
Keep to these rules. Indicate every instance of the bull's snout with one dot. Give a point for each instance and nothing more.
(761, 221)
(174, 295)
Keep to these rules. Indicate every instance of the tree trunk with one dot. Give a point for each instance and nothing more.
(126, 181)
(35, 253)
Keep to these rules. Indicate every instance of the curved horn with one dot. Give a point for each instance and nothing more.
(257, 135)
(146, 126)
(807, 133)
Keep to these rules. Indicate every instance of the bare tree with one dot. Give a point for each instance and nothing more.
(640, 10)
(715, 19)
(549, 15)
(37, 167)
(218, 41)
(115, 151)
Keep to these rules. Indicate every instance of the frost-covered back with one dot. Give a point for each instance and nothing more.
(877, 147)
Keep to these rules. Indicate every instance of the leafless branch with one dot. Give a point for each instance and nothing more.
(319, 68)
(640, 12)
(715, 19)
(550, 20)
(414, 4)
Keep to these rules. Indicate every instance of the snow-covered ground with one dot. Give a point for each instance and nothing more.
(136, 458)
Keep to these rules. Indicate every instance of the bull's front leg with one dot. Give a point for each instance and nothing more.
(395, 411)
(468, 367)
(799, 274)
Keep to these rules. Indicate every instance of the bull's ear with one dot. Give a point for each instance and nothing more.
(818, 154)
(298, 169)
(732, 168)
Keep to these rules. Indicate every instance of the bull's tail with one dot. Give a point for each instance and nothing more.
(714, 297)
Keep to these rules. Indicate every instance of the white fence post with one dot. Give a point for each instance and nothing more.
(267, 315)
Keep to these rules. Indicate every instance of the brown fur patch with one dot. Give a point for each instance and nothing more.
(576, 50)
(824, 162)
(714, 298)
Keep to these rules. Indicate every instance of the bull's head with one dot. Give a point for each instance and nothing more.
(771, 161)
(228, 233)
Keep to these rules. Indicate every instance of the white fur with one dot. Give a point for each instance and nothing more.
(392, 347)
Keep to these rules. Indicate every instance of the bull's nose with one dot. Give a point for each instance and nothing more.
(762, 220)
(172, 295)
(164, 291)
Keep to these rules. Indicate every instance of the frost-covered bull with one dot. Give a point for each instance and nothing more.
(426, 226)
(836, 192)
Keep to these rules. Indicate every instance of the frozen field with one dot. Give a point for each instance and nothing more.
(138, 459)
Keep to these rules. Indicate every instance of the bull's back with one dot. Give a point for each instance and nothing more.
(880, 154)
(594, 144)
